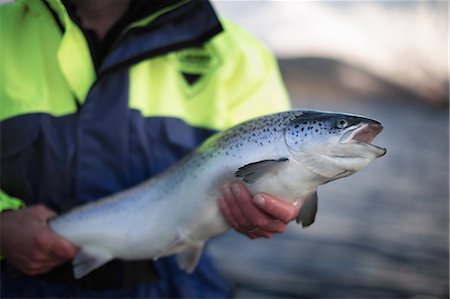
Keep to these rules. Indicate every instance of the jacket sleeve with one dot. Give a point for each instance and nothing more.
(9, 203)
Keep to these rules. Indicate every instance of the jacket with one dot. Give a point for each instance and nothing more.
(75, 129)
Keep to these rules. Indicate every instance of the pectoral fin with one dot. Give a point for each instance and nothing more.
(252, 172)
(308, 209)
(89, 259)
(188, 259)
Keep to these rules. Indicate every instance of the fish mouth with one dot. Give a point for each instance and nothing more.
(364, 134)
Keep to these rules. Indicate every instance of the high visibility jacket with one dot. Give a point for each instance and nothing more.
(73, 131)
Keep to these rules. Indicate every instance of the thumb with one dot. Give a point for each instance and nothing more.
(57, 245)
(61, 247)
(279, 209)
(42, 213)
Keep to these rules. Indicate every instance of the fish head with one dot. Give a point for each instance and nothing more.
(333, 145)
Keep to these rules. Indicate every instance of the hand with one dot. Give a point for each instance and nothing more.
(258, 216)
(27, 242)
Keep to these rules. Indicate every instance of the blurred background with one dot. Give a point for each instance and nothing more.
(383, 232)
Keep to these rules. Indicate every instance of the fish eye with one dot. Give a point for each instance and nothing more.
(342, 123)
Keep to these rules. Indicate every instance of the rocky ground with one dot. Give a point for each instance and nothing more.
(381, 233)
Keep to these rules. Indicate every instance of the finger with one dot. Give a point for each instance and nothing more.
(226, 212)
(36, 263)
(43, 212)
(255, 233)
(57, 248)
(227, 203)
(49, 243)
(281, 210)
(238, 215)
(255, 216)
(260, 233)
(60, 248)
(243, 199)
(37, 269)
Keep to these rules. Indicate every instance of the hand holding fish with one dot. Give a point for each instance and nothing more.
(259, 216)
(28, 243)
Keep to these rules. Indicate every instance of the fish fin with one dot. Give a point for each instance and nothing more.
(176, 245)
(89, 259)
(308, 209)
(188, 259)
(252, 172)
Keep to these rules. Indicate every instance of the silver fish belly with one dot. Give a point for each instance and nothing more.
(287, 154)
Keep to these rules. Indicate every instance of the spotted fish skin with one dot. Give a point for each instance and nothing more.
(287, 154)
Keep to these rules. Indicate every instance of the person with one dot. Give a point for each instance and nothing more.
(99, 95)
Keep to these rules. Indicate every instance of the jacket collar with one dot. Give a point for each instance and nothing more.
(175, 25)
(179, 25)
(188, 25)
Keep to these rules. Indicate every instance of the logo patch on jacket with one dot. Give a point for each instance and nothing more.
(196, 63)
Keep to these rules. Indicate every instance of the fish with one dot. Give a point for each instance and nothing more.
(287, 154)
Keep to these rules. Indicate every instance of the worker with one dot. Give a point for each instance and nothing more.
(100, 95)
